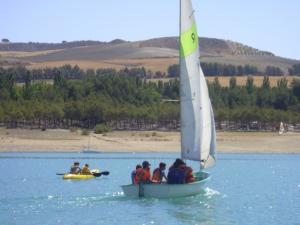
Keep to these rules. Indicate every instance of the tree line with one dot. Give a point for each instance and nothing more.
(217, 69)
(295, 70)
(75, 73)
(122, 100)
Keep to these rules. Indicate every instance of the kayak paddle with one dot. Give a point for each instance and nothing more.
(105, 173)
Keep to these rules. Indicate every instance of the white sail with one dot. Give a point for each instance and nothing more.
(197, 121)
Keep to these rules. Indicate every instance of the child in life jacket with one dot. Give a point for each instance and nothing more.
(159, 174)
(133, 173)
(189, 177)
(143, 175)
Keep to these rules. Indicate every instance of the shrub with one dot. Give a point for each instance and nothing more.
(102, 128)
(85, 132)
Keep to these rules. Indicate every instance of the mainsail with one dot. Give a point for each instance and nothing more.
(198, 135)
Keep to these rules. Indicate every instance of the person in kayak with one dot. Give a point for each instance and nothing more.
(177, 174)
(159, 174)
(143, 175)
(75, 169)
(85, 170)
(133, 173)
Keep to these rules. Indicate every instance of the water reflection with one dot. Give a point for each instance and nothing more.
(198, 209)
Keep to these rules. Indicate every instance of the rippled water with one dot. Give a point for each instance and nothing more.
(244, 189)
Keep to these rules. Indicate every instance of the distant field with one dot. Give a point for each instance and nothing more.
(161, 63)
(19, 54)
(154, 64)
(224, 81)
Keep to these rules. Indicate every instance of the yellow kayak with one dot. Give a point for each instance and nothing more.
(78, 177)
(69, 176)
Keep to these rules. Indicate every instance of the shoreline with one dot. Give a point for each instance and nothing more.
(65, 141)
(141, 152)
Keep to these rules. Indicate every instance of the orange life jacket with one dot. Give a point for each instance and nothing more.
(189, 177)
(86, 171)
(142, 176)
(156, 178)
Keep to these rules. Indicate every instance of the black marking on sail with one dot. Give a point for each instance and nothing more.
(193, 36)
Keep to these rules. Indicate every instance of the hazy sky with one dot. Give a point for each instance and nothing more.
(272, 25)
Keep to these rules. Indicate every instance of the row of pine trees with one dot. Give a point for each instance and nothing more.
(125, 100)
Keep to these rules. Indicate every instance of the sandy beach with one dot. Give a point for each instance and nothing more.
(18, 140)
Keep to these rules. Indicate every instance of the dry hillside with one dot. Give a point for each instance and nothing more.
(154, 54)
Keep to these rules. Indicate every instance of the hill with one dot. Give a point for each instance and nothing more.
(154, 54)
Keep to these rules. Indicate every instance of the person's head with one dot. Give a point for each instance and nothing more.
(146, 164)
(188, 169)
(76, 163)
(162, 166)
(138, 166)
(178, 162)
(86, 165)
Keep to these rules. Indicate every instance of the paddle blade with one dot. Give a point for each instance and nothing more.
(97, 174)
(60, 174)
(105, 173)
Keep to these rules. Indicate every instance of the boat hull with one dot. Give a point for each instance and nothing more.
(167, 190)
(77, 177)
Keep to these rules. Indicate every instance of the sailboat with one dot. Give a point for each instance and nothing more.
(198, 135)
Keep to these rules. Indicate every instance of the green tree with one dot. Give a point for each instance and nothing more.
(296, 88)
(266, 83)
(250, 85)
(173, 70)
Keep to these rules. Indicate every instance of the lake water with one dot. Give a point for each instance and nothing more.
(244, 189)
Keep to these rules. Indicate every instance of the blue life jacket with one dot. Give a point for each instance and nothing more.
(176, 176)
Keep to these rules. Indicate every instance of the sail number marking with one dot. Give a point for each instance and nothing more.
(189, 41)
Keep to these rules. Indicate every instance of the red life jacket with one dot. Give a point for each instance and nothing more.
(189, 177)
(142, 176)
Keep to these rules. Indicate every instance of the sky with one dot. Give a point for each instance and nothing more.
(271, 25)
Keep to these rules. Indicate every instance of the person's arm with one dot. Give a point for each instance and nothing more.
(89, 172)
(77, 170)
(164, 176)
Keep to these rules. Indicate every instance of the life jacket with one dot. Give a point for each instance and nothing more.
(157, 176)
(75, 170)
(176, 176)
(142, 176)
(189, 177)
(86, 171)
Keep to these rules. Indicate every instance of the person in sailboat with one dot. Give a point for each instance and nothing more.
(176, 174)
(159, 174)
(189, 176)
(143, 175)
(75, 169)
(133, 173)
(180, 173)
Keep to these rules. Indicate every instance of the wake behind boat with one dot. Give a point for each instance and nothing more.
(198, 135)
